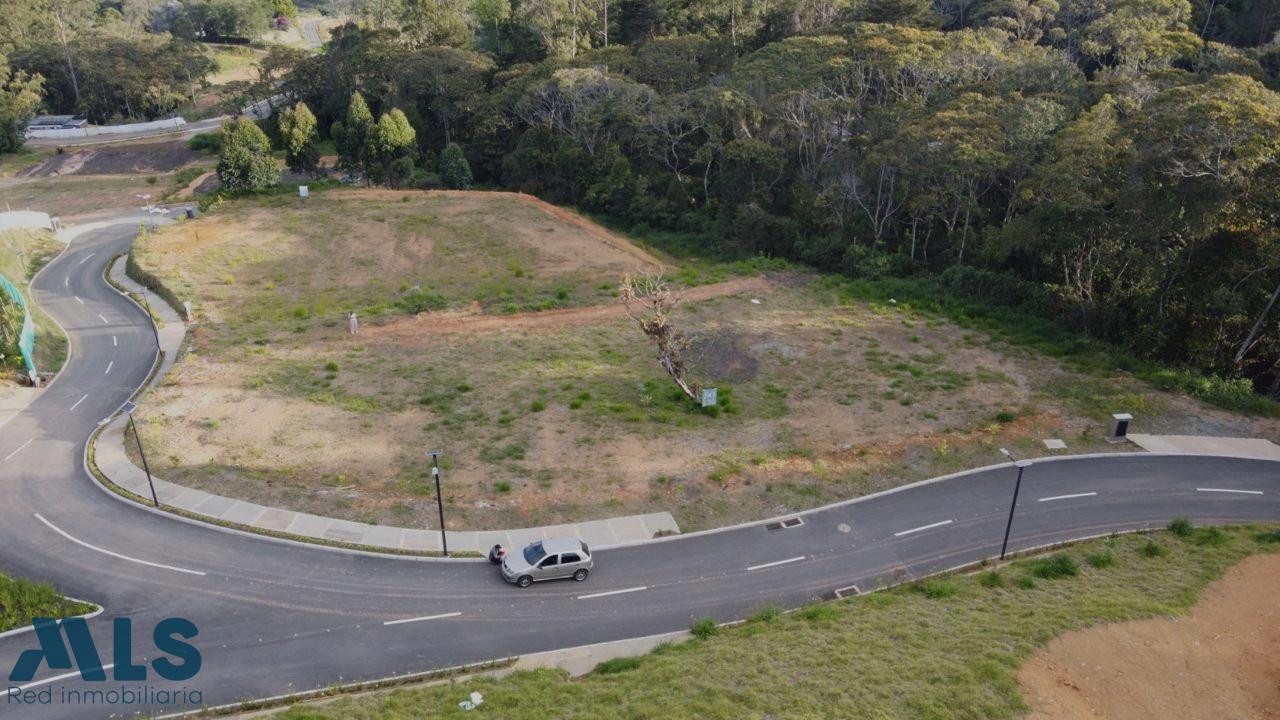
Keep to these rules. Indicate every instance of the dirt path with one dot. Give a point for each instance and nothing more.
(437, 323)
(1222, 662)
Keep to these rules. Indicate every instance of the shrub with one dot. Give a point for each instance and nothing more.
(617, 665)
(818, 612)
(1152, 550)
(936, 589)
(421, 301)
(1004, 416)
(1268, 537)
(767, 613)
(1054, 567)
(705, 628)
(1102, 559)
(206, 142)
(331, 366)
(1027, 582)
(1181, 527)
(502, 486)
(537, 406)
(1211, 536)
(991, 579)
(455, 172)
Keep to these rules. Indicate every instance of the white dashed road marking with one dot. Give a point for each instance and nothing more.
(613, 592)
(1067, 497)
(73, 407)
(922, 528)
(85, 258)
(776, 563)
(109, 366)
(104, 320)
(20, 449)
(419, 619)
(1229, 490)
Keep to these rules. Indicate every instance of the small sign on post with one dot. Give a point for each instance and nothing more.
(186, 306)
(708, 397)
(303, 191)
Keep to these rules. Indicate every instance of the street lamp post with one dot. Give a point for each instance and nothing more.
(128, 409)
(435, 472)
(1016, 488)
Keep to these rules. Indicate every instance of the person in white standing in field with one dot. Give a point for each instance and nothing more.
(353, 325)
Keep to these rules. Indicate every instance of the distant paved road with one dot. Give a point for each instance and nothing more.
(277, 617)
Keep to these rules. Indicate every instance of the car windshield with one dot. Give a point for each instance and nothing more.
(534, 553)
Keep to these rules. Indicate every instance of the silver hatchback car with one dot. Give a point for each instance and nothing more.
(548, 560)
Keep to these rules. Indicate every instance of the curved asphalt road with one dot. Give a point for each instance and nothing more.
(276, 618)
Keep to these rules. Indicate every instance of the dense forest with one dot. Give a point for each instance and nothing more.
(1111, 164)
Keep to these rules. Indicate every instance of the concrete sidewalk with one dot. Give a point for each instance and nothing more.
(1206, 445)
(109, 454)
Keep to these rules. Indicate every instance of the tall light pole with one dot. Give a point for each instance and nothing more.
(1016, 487)
(128, 409)
(435, 472)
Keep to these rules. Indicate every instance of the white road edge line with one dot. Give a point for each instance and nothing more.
(776, 563)
(104, 320)
(1066, 497)
(109, 366)
(95, 548)
(56, 678)
(73, 407)
(419, 619)
(86, 258)
(922, 528)
(613, 592)
(1229, 490)
(20, 449)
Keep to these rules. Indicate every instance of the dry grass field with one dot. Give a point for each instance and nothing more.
(490, 329)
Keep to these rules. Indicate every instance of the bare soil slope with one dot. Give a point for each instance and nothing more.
(1222, 662)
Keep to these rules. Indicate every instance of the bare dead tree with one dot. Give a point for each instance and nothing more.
(649, 301)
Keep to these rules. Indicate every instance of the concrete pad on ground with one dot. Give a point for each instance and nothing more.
(214, 506)
(413, 539)
(243, 512)
(275, 519)
(308, 524)
(596, 533)
(629, 529)
(1205, 445)
(383, 536)
(346, 531)
(582, 660)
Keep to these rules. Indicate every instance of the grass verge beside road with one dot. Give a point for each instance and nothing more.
(942, 648)
(21, 600)
(22, 254)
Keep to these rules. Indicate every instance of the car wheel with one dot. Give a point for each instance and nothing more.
(524, 581)
(580, 575)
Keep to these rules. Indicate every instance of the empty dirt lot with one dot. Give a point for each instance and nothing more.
(490, 328)
(1223, 661)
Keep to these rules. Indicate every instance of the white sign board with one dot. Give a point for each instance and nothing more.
(708, 397)
(303, 191)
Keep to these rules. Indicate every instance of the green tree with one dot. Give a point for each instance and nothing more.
(298, 135)
(455, 172)
(354, 136)
(437, 22)
(20, 96)
(389, 145)
(245, 163)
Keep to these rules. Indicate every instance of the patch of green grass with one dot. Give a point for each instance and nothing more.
(915, 656)
(1181, 527)
(705, 628)
(937, 588)
(1101, 559)
(991, 579)
(617, 665)
(21, 600)
(1054, 567)
(1152, 550)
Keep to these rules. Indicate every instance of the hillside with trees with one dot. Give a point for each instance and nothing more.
(1111, 164)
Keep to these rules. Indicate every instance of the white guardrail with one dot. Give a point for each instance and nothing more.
(92, 130)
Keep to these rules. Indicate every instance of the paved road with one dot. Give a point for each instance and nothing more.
(276, 618)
